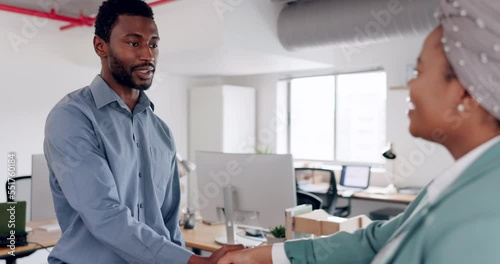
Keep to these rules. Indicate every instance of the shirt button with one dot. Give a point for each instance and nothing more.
(140, 175)
(140, 205)
(137, 144)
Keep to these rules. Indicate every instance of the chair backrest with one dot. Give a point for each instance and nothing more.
(320, 182)
(22, 192)
(309, 198)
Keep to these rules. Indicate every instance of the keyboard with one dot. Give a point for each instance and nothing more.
(241, 239)
(344, 188)
(49, 227)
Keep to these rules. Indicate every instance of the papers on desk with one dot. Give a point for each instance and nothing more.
(380, 190)
(314, 188)
(50, 227)
(242, 239)
(344, 188)
(410, 190)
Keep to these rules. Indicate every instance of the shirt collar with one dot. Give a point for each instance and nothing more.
(474, 154)
(437, 187)
(104, 95)
(144, 101)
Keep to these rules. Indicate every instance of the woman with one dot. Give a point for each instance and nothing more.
(456, 99)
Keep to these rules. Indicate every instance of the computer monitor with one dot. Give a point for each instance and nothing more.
(42, 204)
(264, 187)
(355, 176)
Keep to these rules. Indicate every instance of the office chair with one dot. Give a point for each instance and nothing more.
(309, 198)
(321, 183)
(22, 192)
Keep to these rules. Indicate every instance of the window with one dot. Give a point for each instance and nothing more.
(338, 118)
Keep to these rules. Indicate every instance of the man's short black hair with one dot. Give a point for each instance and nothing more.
(111, 9)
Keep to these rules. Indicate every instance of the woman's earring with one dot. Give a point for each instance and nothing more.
(460, 108)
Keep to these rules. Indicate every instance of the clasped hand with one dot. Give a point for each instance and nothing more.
(229, 254)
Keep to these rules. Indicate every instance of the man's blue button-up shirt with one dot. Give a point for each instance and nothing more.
(114, 180)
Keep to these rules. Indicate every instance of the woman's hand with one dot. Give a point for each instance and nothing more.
(249, 256)
(214, 258)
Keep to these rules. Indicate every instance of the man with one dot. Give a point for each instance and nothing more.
(113, 171)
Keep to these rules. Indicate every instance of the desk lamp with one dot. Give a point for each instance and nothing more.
(185, 167)
(389, 154)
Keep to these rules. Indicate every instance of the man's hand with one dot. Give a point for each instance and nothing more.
(249, 256)
(214, 258)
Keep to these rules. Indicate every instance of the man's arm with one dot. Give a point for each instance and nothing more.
(73, 153)
(171, 204)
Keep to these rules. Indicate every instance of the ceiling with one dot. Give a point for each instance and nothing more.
(197, 38)
(71, 8)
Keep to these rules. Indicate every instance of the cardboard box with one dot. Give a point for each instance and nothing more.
(320, 223)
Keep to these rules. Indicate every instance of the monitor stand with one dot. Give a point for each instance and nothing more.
(231, 236)
(228, 191)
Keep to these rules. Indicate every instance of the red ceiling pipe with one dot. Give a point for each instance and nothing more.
(92, 20)
(51, 15)
(84, 21)
(159, 2)
(73, 22)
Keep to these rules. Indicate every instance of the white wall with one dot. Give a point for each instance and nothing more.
(49, 62)
(265, 86)
(418, 161)
(252, 25)
(34, 77)
(45, 68)
(169, 93)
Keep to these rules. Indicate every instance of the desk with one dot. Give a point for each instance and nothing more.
(201, 237)
(44, 238)
(392, 198)
(367, 201)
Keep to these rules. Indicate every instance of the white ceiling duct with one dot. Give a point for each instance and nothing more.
(307, 24)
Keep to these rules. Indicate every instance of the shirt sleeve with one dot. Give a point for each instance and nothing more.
(343, 248)
(171, 213)
(474, 241)
(81, 169)
(279, 255)
(358, 247)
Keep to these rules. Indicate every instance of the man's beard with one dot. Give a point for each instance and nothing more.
(124, 77)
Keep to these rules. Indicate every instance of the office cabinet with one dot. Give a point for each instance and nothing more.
(221, 119)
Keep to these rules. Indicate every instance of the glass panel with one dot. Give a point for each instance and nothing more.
(361, 117)
(315, 181)
(282, 117)
(312, 103)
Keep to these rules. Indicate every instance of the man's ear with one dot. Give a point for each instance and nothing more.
(100, 47)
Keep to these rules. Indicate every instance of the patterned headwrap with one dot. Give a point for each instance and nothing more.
(471, 40)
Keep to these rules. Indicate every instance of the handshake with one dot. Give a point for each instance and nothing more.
(236, 254)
